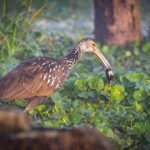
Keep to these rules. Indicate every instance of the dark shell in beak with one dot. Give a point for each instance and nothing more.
(109, 74)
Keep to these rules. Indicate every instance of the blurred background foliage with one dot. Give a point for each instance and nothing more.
(120, 110)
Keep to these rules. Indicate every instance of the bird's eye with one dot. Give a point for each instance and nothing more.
(93, 44)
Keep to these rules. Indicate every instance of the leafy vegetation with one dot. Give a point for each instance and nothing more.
(121, 110)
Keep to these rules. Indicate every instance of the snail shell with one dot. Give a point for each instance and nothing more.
(109, 74)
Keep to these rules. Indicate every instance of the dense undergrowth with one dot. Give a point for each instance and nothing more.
(121, 110)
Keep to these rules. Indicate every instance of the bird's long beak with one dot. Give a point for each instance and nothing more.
(109, 72)
(102, 58)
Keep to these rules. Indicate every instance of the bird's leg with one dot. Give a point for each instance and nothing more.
(56, 104)
(35, 101)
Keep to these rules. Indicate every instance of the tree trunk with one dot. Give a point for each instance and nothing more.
(117, 21)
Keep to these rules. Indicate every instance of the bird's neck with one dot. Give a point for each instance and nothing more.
(74, 56)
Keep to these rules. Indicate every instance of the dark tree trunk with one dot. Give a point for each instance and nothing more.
(117, 21)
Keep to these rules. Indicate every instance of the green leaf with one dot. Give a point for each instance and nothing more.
(137, 43)
(100, 119)
(118, 92)
(137, 51)
(120, 109)
(78, 104)
(96, 83)
(105, 49)
(105, 130)
(87, 94)
(81, 85)
(138, 106)
(146, 47)
(128, 53)
(133, 77)
(139, 128)
(76, 118)
(107, 88)
(51, 123)
(83, 95)
(80, 37)
(139, 94)
(65, 118)
(31, 111)
(21, 103)
(148, 111)
(41, 107)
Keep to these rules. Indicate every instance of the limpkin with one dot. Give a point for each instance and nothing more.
(40, 77)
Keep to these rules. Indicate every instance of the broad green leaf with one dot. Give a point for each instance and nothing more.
(107, 88)
(137, 51)
(80, 37)
(130, 98)
(139, 94)
(146, 47)
(87, 94)
(105, 130)
(78, 104)
(96, 83)
(141, 85)
(139, 128)
(91, 94)
(99, 119)
(87, 113)
(133, 77)
(65, 118)
(148, 111)
(138, 106)
(21, 103)
(120, 109)
(140, 76)
(118, 92)
(51, 123)
(128, 53)
(147, 83)
(137, 43)
(41, 107)
(83, 94)
(31, 111)
(98, 45)
(105, 49)
(76, 118)
(81, 84)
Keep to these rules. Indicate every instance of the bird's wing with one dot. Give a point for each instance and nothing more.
(11, 87)
(42, 78)
(27, 80)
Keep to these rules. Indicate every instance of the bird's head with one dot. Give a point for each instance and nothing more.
(89, 45)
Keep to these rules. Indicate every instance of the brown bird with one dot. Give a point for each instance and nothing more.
(40, 77)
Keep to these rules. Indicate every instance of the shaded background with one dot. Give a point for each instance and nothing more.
(67, 18)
